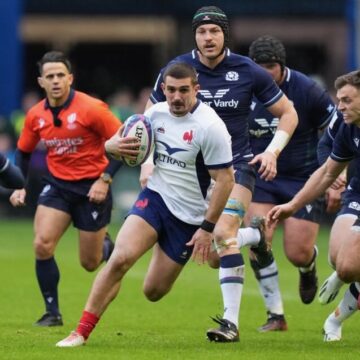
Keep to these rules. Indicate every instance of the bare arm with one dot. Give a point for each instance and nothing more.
(285, 111)
(288, 121)
(224, 183)
(318, 182)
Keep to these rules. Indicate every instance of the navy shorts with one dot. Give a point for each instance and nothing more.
(173, 233)
(281, 190)
(350, 203)
(245, 175)
(71, 197)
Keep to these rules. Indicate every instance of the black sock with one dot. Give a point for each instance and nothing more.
(108, 247)
(48, 277)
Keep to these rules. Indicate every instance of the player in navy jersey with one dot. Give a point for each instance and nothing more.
(228, 83)
(296, 163)
(345, 235)
(192, 146)
(10, 175)
(331, 286)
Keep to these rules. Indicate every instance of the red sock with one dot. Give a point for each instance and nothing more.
(86, 324)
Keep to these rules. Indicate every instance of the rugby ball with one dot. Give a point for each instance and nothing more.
(139, 126)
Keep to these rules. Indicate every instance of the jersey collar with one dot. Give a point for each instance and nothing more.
(195, 106)
(66, 103)
(195, 55)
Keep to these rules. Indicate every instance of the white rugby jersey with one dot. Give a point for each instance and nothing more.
(185, 148)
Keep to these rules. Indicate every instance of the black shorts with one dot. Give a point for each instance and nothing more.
(281, 190)
(71, 197)
(245, 175)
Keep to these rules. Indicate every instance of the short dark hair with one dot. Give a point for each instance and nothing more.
(351, 78)
(181, 70)
(54, 56)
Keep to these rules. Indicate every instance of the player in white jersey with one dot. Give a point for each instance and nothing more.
(228, 82)
(192, 146)
(178, 144)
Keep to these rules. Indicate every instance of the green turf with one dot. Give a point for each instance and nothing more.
(173, 328)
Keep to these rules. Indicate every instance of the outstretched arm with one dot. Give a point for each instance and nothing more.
(318, 182)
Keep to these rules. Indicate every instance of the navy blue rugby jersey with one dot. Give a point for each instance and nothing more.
(229, 89)
(315, 110)
(346, 147)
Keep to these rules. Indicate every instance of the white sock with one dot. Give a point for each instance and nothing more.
(248, 236)
(231, 282)
(347, 306)
(269, 287)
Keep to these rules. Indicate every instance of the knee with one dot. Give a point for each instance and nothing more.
(153, 293)
(300, 257)
(90, 264)
(214, 260)
(345, 272)
(119, 264)
(43, 247)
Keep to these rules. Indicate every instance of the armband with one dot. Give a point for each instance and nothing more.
(207, 226)
(278, 142)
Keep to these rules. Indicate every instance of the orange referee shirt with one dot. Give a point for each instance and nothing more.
(75, 150)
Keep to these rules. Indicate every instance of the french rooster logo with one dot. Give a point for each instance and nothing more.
(142, 204)
(188, 136)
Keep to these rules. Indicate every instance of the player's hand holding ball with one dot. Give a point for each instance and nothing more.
(133, 142)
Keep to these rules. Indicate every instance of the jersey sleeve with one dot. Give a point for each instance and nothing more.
(29, 137)
(327, 139)
(104, 122)
(341, 150)
(265, 88)
(216, 147)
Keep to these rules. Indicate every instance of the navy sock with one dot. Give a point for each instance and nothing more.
(108, 247)
(48, 276)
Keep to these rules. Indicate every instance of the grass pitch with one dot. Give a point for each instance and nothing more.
(173, 328)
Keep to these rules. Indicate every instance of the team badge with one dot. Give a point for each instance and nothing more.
(41, 123)
(71, 121)
(188, 136)
(232, 76)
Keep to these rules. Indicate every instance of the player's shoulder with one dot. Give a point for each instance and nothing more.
(205, 115)
(295, 76)
(37, 109)
(81, 97)
(89, 105)
(160, 107)
(189, 58)
(237, 60)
